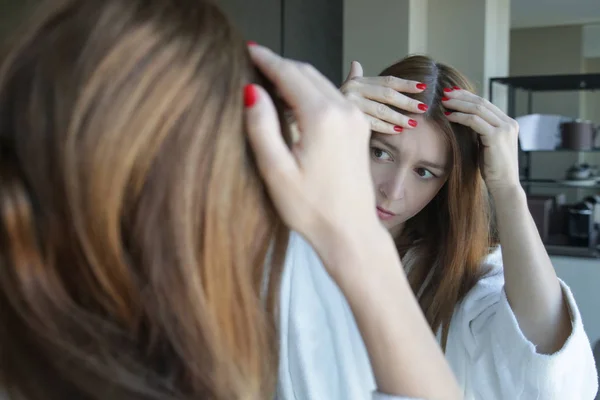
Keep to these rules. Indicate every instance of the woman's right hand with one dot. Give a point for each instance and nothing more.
(375, 95)
(322, 187)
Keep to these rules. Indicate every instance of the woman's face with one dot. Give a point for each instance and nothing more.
(408, 171)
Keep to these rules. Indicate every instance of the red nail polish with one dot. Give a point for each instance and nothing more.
(412, 123)
(398, 128)
(447, 113)
(445, 98)
(251, 43)
(423, 107)
(455, 88)
(250, 95)
(421, 86)
(448, 90)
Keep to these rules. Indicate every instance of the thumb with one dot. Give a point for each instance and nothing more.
(356, 71)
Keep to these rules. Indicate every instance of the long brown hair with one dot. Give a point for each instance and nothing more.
(450, 237)
(139, 253)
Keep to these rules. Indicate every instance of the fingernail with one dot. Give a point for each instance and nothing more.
(412, 123)
(398, 128)
(445, 98)
(423, 107)
(251, 43)
(447, 113)
(250, 95)
(448, 90)
(455, 88)
(421, 86)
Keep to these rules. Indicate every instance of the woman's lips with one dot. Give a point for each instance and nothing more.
(384, 214)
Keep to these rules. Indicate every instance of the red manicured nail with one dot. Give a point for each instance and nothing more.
(423, 107)
(250, 95)
(412, 123)
(448, 90)
(421, 86)
(251, 43)
(455, 88)
(445, 98)
(398, 128)
(447, 113)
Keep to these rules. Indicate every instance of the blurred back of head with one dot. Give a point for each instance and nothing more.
(139, 253)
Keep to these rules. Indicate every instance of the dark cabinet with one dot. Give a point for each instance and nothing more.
(306, 30)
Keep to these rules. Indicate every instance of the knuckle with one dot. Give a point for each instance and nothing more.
(350, 86)
(353, 97)
(481, 102)
(381, 110)
(375, 124)
(389, 93)
(390, 80)
(306, 67)
(479, 107)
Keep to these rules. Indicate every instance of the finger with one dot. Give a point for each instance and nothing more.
(380, 126)
(398, 84)
(326, 86)
(382, 112)
(467, 107)
(390, 97)
(273, 157)
(356, 71)
(299, 87)
(473, 121)
(465, 95)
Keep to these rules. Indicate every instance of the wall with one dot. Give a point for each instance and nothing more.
(591, 40)
(258, 20)
(375, 33)
(547, 51)
(444, 34)
(306, 30)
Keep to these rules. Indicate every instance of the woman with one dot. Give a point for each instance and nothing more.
(140, 254)
(510, 328)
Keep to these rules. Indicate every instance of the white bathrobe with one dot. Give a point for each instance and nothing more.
(323, 357)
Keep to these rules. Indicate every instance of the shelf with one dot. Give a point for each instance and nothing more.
(552, 183)
(561, 151)
(572, 251)
(547, 83)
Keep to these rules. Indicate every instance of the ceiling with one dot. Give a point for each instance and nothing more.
(536, 13)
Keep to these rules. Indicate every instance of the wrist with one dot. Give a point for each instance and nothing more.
(509, 192)
(355, 254)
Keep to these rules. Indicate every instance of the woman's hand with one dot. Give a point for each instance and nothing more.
(532, 287)
(498, 133)
(374, 95)
(321, 187)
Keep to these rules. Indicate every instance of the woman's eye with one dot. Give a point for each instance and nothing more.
(379, 154)
(425, 173)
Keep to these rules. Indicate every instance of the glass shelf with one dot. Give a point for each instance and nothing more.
(571, 251)
(561, 151)
(553, 183)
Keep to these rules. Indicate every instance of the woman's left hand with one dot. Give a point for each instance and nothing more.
(498, 132)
